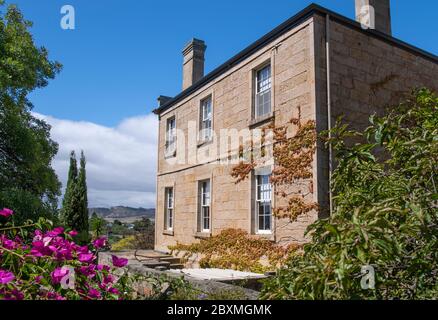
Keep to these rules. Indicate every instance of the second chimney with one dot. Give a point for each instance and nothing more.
(193, 65)
(376, 14)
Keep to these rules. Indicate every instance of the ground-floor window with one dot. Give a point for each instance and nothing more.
(169, 209)
(205, 203)
(263, 207)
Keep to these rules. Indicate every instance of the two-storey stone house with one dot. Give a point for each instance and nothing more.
(318, 62)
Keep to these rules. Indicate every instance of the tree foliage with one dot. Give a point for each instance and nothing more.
(27, 181)
(385, 213)
(75, 203)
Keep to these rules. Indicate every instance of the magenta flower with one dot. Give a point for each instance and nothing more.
(113, 291)
(73, 233)
(119, 262)
(54, 296)
(58, 274)
(85, 257)
(6, 277)
(55, 232)
(93, 293)
(6, 212)
(99, 243)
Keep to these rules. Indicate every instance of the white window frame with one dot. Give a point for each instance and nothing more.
(171, 136)
(205, 205)
(262, 89)
(206, 119)
(263, 197)
(170, 212)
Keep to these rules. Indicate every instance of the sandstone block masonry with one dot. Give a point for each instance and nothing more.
(317, 59)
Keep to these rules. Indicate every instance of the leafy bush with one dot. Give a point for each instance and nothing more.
(49, 265)
(235, 249)
(127, 243)
(385, 213)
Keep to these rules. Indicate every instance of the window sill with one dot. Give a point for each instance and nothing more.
(203, 235)
(203, 143)
(255, 122)
(267, 236)
(169, 155)
(168, 232)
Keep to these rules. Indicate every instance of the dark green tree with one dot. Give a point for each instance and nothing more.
(75, 208)
(66, 213)
(97, 224)
(28, 184)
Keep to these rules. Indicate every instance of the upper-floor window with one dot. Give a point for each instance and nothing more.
(171, 136)
(262, 97)
(206, 119)
(169, 209)
(263, 204)
(204, 206)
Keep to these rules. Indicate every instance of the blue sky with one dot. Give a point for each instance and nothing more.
(123, 54)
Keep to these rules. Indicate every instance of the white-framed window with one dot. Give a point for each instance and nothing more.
(262, 91)
(263, 204)
(205, 204)
(169, 208)
(171, 136)
(206, 115)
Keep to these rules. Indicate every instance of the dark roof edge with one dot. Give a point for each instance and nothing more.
(278, 31)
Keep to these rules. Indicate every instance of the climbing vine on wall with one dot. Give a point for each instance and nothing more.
(293, 156)
(236, 249)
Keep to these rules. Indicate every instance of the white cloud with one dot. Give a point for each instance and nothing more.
(121, 161)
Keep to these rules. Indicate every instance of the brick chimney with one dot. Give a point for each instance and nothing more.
(375, 14)
(193, 65)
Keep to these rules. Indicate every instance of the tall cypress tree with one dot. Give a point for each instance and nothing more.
(66, 211)
(75, 204)
(82, 218)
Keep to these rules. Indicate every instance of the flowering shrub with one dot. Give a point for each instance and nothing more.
(41, 263)
(236, 249)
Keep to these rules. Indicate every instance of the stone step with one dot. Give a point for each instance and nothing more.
(153, 256)
(176, 266)
(172, 260)
(155, 263)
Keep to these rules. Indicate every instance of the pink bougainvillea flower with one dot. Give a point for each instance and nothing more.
(119, 262)
(83, 249)
(38, 235)
(113, 291)
(102, 267)
(6, 212)
(55, 296)
(55, 232)
(73, 233)
(38, 279)
(6, 277)
(85, 257)
(108, 279)
(99, 243)
(93, 293)
(58, 274)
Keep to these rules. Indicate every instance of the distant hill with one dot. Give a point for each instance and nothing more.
(122, 212)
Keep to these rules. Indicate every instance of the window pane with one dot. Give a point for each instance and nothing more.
(263, 91)
(206, 218)
(263, 202)
(206, 116)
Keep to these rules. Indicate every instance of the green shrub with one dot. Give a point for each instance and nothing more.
(385, 213)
